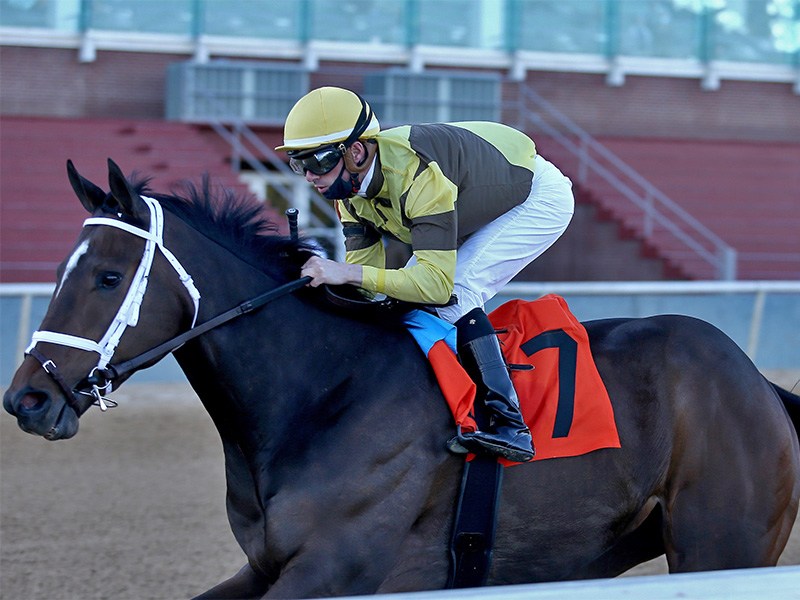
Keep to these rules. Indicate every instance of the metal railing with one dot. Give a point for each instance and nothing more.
(317, 216)
(760, 316)
(764, 330)
(685, 33)
(655, 214)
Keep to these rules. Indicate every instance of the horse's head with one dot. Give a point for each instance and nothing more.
(99, 299)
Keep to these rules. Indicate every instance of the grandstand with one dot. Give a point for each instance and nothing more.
(679, 122)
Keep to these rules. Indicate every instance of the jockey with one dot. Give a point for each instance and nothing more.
(475, 202)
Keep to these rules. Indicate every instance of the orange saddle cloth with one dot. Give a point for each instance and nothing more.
(563, 399)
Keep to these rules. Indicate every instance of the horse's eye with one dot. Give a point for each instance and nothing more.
(108, 280)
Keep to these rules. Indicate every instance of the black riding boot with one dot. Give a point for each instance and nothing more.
(507, 434)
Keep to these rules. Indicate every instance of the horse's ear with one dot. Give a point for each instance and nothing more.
(129, 201)
(91, 196)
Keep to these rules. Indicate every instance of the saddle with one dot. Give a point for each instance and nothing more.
(354, 301)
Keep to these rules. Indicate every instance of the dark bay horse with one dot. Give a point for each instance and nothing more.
(334, 429)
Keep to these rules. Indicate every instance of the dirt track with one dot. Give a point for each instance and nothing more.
(132, 507)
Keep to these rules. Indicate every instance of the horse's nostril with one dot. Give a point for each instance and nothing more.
(32, 401)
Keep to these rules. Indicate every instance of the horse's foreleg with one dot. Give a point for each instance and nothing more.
(245, 585)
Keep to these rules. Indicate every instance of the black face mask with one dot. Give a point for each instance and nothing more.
(341, 188)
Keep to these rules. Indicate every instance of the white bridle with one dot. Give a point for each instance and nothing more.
(128, 313)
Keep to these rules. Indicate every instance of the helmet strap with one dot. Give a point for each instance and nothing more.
(362, 123)
(355, 182)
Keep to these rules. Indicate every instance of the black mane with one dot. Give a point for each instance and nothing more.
(238, 223)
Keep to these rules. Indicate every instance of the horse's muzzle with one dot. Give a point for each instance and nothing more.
(38, 413)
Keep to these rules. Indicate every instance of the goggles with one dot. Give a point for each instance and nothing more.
(320, 162)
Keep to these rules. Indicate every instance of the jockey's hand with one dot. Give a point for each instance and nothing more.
(321, 270)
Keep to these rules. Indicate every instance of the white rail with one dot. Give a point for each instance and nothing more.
(759, 289)
(753, 326)
(524, 289)
(774, 583)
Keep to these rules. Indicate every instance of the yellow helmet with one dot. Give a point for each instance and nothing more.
(325, 116)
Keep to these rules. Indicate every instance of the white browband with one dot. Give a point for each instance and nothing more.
(128, 313)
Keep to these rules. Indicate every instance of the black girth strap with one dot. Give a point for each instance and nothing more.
(476, 518)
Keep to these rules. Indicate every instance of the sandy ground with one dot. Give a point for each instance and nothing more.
(133, 507)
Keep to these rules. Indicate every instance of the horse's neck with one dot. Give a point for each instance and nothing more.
(288, 369)
(268, 366)
(275, 381)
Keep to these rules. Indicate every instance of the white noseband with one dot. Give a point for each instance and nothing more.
(128, 313)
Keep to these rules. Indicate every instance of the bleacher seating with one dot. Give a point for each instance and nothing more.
(39, 215)
(747, 193)
(736, 189)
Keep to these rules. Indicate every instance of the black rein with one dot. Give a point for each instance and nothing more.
(113, 372)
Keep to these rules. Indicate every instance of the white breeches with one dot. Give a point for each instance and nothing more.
(496, 252)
